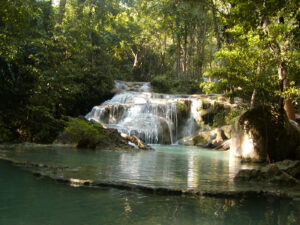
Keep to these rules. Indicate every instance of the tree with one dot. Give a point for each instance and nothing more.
(274, 24)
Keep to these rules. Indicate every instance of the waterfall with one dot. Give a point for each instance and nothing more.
(149, 116)
(152, 117)
(191, 126)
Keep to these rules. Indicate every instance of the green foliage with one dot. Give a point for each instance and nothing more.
(40, 125)
(48, 70)
(57, 62)
(232, 117)
(6, 135)
(219, 119)
(199, 140)
(83, 133)
(225, 117)
(162, 84)
(245, 67)
(259, 38)
(180, 107)
(165, 84)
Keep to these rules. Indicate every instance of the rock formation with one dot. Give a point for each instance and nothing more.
(285, 172)
(263, 134)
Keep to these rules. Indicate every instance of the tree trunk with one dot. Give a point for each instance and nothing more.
(254, 100)
(284, 104)
(216, 29)
(178, 59)
(185, 50)
(90, 34)
(284, 84)
(61, 10)
(202, 51)
(135, 55)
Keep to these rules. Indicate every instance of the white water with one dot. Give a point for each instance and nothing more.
(192, 124)
(152, 117)
(139, 114)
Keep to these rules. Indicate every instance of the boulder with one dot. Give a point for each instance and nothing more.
(188, 141)
(200, 140)
(183, 113)
(165, 132)
(291, 167)
(87, 134)
(136, 141)
(298, 118)
(281, 173)
(225, 145)
(264, 134)
(215, 139)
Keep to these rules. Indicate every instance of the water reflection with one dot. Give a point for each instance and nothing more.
(168, 166)
(24, 199)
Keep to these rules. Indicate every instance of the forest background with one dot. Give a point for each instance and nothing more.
(59, 60)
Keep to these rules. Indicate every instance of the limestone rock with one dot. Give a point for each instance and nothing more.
(262, 134)
(291, 167)
(215, 139)
(298, 118)
(225, 145)
(188, 141)
(136, 141)
(281, 173)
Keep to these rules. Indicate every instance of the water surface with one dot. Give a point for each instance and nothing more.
(26, 199)
(169, 166)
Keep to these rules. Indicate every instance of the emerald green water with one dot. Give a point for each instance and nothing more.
(27, 199)
(169, 166)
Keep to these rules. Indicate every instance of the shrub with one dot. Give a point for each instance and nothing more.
(199, 140)
(232, 117)
(83, 133)
(41, 126)
(165, 84)
(161, 84)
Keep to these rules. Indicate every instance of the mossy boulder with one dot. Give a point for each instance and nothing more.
(200, 140)
(183, 114)
(89, 134)
(183, 109)
(265, 134)
(216, 114)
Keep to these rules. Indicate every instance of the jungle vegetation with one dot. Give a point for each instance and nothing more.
(58, 58)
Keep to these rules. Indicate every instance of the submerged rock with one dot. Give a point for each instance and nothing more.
(281, 173)
(262, 134)
(291, 167)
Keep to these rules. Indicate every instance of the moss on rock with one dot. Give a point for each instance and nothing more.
(85, 134)
(200, 140)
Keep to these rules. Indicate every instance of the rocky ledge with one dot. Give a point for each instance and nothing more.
(285, 173)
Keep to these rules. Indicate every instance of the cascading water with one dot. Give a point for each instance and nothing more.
(149, 116)
(152, 117)
(191, 125)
